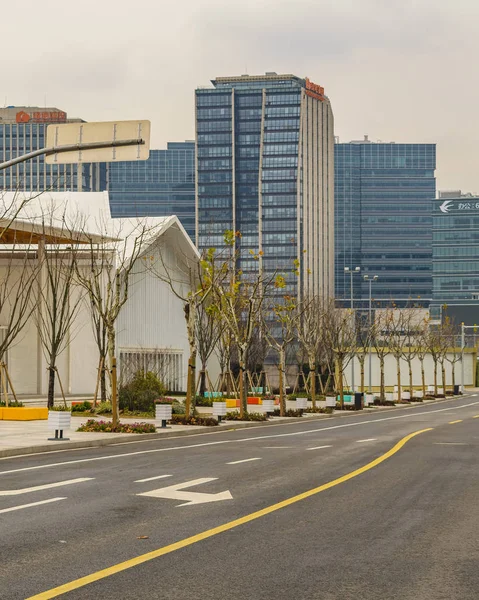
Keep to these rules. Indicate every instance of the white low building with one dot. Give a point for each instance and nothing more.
(150, 331)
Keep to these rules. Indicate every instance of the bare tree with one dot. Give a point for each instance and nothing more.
(60, 298)
(380, 342)
(421, 342)
(280, 332)
(340, 336)
(309, 333)
(209, 329)
(451, 331)
(111, 256)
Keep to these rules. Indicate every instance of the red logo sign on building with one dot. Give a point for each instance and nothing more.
(22, 117)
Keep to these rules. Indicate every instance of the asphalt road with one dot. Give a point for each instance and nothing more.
(405, 527)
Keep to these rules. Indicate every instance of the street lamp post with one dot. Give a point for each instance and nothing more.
(370, 281)
(351, 272)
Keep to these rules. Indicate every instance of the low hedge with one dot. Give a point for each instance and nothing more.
(193, 420)
(249, 416)
(107, 427)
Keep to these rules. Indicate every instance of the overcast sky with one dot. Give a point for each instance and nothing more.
(399, 70)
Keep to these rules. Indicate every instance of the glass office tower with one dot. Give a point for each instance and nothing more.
(161, 186)
(23, 130)
(264, 165)
(383, 220)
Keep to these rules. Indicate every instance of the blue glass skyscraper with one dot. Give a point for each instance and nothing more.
(384, 195)
(161, 186)
(265, 152)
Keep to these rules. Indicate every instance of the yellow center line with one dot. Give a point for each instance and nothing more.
(138, 560)
(476, 417)
(453, 422)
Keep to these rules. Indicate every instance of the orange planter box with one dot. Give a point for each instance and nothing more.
(254, 400)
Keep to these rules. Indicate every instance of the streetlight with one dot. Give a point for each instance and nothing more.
(351, 273)
(370, 281)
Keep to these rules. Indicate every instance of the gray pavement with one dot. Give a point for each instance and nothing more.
(405, 529)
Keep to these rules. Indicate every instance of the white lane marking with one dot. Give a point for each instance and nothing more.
(319, 447)
(173, 492)
(451, 444)
(368, 440)
(250, 439)
(237, 462)
(277, 447)
(152, 478)
(47, 486)
(22, 506)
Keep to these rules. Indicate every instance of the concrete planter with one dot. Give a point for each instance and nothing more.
(369, 399)
(331, 401)
(219, 410)
(440, 390)
(58, 421)
(268, 406)
(301, 403)
(163, 413)
(406, 395)
(419, 394)
(390, 396)
(291, 405)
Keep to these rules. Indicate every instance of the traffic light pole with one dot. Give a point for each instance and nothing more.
(70, 148)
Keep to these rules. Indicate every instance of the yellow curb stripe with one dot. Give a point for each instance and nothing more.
(133, 562)
(453, 422)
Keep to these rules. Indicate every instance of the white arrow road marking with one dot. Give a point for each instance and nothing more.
(47, 486)
(173, 492)
(5, 510)
(152, 478)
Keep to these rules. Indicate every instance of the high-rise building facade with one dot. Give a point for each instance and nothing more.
(383, 220)
(23, 130)
(455, 253)
(161, 186)
(265, 168)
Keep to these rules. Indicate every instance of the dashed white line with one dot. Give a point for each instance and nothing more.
(368, 440)
(47, 486)
(237, 462)
(277, 447)
(21, 506)
(152, 478)
(319, 447)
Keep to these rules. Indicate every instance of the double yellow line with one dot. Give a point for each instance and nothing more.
(133, 562)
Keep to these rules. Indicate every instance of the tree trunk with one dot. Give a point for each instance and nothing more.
(282, 403)
(242, 383)
(423, 379)
(103, 382)
(443, 373)
(312, 370)
(190, 382)
(435, 378)
(410, 379)
(203, 380)
(398, 367)
(361, 364)
(339, 363)
(381, 382)
(115, 416)
(453, 375)
(51, 386)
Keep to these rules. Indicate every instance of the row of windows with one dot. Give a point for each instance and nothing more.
(206, 126)
(205, 151)
(452, 251)
(213, 99)
(452, 236)
(214, 163)
(279, 174)
(456, 267)
(215, 176)
(283, 111)
(205, 203)
(213, 113)
(455, 283)
(395, 219)
(469, 222)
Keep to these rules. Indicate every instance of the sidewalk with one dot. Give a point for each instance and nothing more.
(29, 437)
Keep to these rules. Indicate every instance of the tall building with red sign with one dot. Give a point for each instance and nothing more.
(23, 130)
(265, 167)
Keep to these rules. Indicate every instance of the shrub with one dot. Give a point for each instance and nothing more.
(289, 412)
(107, 427)
(326, 410)
(193, 420)
(201, 401)
(103, 408)
(82, 407)
(250, 416)
(12, 403)
(60, 408)
(141, 392)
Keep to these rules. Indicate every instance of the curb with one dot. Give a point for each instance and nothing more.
(25, 451)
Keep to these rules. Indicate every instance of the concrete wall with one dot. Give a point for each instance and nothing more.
(391, 371)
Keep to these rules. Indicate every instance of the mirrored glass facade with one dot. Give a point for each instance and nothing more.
(265, 168)
(455, 249)
(161, 186)
(383, 220)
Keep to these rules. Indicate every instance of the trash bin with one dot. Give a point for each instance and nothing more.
(456, 390)
(358, 400)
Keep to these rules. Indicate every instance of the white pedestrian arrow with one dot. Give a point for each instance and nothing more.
(173, 492)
